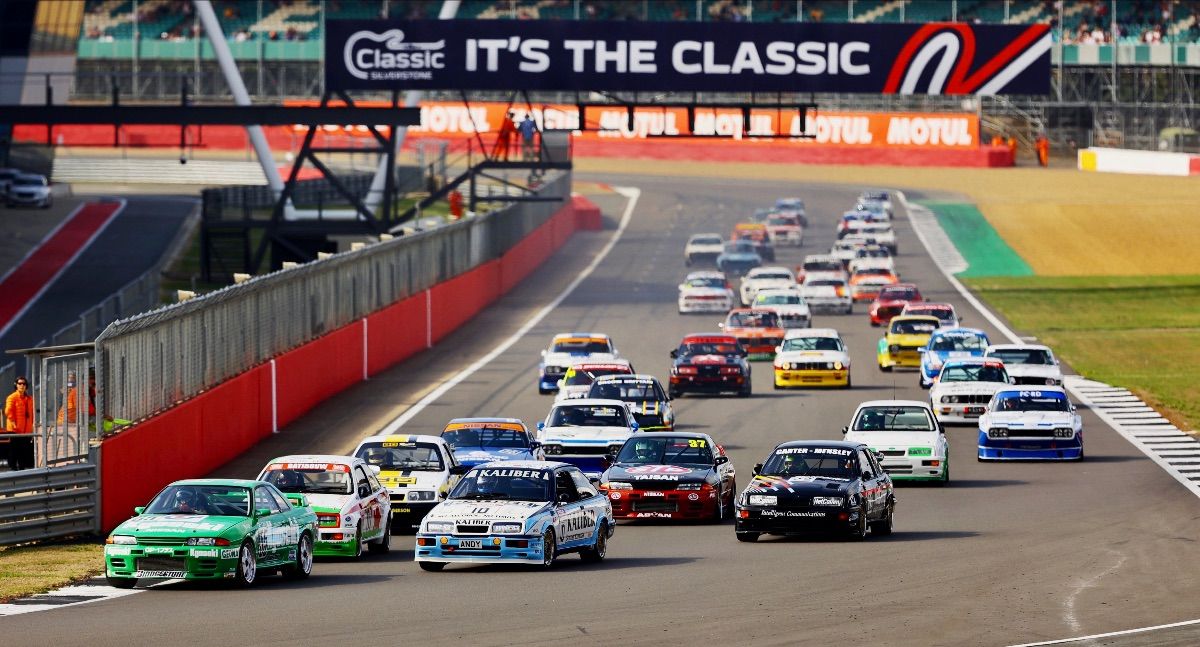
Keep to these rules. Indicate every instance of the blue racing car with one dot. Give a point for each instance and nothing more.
(483, 440)
(524, 512)
(947, 343)
(1031, 423)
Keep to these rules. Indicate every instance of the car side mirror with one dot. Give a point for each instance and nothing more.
(262, 512)
(721, 325)
(845, 430)
(560, 383)
(543, 353)
(634, 426)
(609, 459)
(674, 353)
(779, 349)
(299, 500)
(867, 476)
(1012, 380)
(375, 469)
(459, 470)
(364, 491)
(757, 468)
(594, 480)
(533, 444)
(721, 460)
(563, 497)
(941, 428)
(139, 510)
(541, 426)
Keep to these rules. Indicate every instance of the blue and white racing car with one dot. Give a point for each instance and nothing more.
(1030, 424)
(949, 343)
(525, 512)
(567, 349)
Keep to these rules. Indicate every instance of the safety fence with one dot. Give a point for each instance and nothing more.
(242, 202)
(46, 503)
(156, 359)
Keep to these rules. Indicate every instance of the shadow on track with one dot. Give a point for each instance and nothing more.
(962, 483)
(568, 563)
(896, 536)
(270, 582)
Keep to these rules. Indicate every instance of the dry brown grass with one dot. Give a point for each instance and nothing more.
(1063, 222)
(26, 570)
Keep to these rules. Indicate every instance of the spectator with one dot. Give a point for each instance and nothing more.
(69, 413)
(18, 414)
(504, 138)
(528, 131)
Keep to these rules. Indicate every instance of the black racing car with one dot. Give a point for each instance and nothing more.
(709, 363)
(645, 397)
(817, 485)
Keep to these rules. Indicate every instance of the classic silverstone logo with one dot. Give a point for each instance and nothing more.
(952, 46)
(386, 57)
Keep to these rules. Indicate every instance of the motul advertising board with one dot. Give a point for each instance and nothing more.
(933, 58)
(911, 129)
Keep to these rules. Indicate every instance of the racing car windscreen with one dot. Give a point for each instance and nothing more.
(973, 373)
(740, 247)
(505, 483)
(585, 376)
(905, 327)
(309, 479)
(894, 419)
(706, 282)
(625, 391)
(391, 456)
(581, 346)
(958, 342)
(828, 462)
(812, 343)
(778, 300)
(781, 221)
(898, 294)
(486, 437)
(588, 416)
(1031, 401)
(706, 348)
(666, 451)
(772, 276)
(706, 240)
(1022, 356)
(753, 320)
(221, 500)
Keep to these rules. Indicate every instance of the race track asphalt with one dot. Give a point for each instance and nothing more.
(1008, 553)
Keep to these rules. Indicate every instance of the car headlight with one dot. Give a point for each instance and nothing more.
(895, 348)
(947, 399)
(1064, 432)
(207, 541)
(618, 485)
(997, 433)
(1051, 381)
(439, 526)
(837, 366)
(552, 450)
(123, 540)
(763, 499)
(555, 370)
(506, 528)
(420, 496)
(828, 500)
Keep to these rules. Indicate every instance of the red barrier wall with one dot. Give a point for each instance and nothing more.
(188, 440)
(322, 367)
(396, 333)
(454, 302)
(587, 215)
(207, 431)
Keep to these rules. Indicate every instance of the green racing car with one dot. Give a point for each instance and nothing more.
(211, 529)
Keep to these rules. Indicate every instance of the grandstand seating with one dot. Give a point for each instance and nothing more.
(301, 19)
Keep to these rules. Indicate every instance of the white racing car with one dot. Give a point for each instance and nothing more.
(876, 234)
(417, 471)
(905, 432)
(353, 508)
(828, 292)
(583, 431)
(705, 292)
(568, 348)
(1028, 363)
(964, 387)
(788, 303)
(872, 256)
(1030, 423)
(763, 278)
(703, 248)
(785, 229)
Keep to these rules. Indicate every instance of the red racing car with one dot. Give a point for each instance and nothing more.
(891, 302)
(669, 475)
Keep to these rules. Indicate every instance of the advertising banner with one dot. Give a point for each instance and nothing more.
(940, 130)
(933, 58)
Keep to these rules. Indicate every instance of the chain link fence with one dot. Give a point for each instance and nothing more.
(153, 360)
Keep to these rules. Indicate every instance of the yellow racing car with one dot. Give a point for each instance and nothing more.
(906, 336)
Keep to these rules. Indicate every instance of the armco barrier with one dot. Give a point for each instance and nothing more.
(1120, 160)
(200, 434)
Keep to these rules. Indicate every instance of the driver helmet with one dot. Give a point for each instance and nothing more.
(185, 499)
(375, 455)
(872, 420)
(643, 450)
(286, 479)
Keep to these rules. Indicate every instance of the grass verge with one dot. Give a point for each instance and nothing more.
(1138, 332)
(27, 570)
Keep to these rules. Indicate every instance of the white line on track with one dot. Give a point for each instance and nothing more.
(632, 194)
